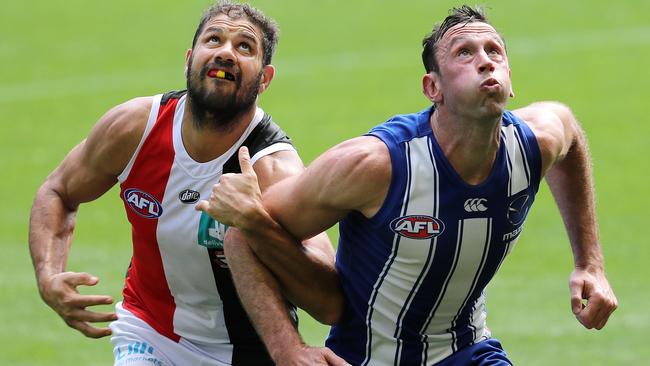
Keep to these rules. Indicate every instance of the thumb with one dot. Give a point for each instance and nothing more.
(87, 279)
(203, 205)
(245, 161)
(334, 360)
(576, 297)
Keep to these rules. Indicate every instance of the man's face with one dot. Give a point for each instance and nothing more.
(224, 69)
(474, 75)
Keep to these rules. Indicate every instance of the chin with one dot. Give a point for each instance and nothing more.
(494, 111)
(496, 106)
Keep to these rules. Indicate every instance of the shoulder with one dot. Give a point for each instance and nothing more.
(403, 127)
(127, 118)
(538, 116)
(117, 134)
(93, 166)
(548, 122)
(266, 134)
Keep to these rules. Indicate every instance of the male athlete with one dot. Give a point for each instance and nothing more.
(429, 205)
(180, 306)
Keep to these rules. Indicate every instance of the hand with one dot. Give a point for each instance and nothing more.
(60, 293)
(591, 285)
(309, 356)
(237, 197)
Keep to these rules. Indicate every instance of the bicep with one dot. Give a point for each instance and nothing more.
(343, 179)
(92, 167)
(78, 179)
(284, 193)
(297, 204)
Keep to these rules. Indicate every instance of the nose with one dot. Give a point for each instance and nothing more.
(485, 63)
(226, 52)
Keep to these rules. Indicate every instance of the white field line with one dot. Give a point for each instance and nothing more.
(607, 40)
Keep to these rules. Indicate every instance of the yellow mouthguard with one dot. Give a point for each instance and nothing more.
(221, 74)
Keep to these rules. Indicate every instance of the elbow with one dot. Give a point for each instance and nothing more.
(331, 314)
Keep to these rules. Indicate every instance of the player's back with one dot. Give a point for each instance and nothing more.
(414, 274)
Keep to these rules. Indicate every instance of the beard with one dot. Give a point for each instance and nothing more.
(217, 109)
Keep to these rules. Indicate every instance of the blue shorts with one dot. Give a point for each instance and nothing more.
(485, 353)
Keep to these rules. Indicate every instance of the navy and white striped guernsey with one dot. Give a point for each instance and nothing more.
(414, 275)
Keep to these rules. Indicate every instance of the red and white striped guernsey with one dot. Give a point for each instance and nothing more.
(178, 281)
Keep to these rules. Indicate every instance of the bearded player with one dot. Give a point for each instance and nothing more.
(166, 152)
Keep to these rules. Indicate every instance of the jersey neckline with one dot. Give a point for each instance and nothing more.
(425, 126)
(213, 167)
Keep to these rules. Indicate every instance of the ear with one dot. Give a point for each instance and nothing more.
(188, 54)
(268, 72)
(431, 87)
(512, 91)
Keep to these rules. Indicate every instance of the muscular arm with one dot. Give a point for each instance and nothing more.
(268, 263)
(306, 270)
(351, 176)
(567, 164)
(87, 172)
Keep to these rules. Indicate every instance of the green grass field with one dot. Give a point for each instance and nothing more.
(342, 67)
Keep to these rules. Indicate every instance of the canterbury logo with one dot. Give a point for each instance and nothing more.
(476, 205)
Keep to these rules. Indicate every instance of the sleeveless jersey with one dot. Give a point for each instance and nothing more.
(178, 280)
(414, 275)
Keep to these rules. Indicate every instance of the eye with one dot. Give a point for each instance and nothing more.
(245, 47)
(463, 52)
(213, 39)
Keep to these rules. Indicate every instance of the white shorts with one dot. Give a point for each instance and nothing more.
(135, 343)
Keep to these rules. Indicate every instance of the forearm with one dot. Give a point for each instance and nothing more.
(50, 233)
(262, 299)
(572, 186)
(306, 272)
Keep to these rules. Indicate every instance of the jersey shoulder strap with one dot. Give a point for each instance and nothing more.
(174, 94)
(266, 138)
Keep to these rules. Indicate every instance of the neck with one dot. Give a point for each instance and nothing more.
(207, 136)
(470, 145)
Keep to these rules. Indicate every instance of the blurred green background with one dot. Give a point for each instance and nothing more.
(342, 67)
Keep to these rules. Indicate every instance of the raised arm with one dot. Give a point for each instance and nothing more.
(87, 172)
(567, 165)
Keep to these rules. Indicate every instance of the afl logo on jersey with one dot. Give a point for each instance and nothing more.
(143, 203)
(417, 226)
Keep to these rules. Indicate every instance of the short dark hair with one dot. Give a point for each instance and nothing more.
(267, 25)
(465, 14)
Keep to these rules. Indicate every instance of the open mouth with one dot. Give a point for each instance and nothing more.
(489, 82)
(221, 74)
